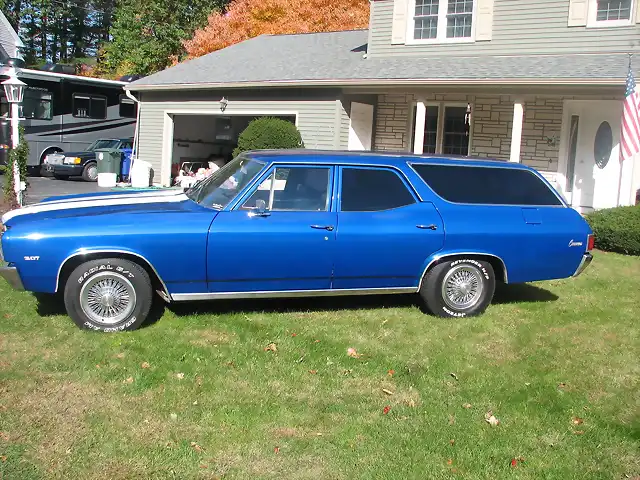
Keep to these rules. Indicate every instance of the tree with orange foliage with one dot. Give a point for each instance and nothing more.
(245, 19)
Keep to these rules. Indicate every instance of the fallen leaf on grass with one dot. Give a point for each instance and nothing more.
(294, 334)
(271, 348)
(452, 420)
(313, 372)
(180, 376)
(515, 461)
(197, 447)
(391, 373)
(3, 458)
(276, 450)
(410, 403)
(386, 409)
(98, 365)
(199, 380)
(452, 442)
(4, 436)
(491, 419)
(352, 352)
(578, 432)
(128, 380)
(562, 385)
(577, 421)
(466, 405)
(145, 365)
(387, 391)
(8, 315)
(204, 466)
(317, 341)
(450, 461)
(120, 355)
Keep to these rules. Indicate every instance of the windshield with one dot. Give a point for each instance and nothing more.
(222, 186)
(103, 143)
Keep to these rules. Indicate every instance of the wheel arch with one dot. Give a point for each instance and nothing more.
(47, 150)
(498, 264)
(76, 259)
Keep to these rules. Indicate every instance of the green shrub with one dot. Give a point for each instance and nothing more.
(268, 133)
(617, 229)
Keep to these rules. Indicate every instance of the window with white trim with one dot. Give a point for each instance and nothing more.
(603, 13)
(441, 20)
(447, 129)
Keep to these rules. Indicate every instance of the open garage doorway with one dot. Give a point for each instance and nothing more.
(201, 141)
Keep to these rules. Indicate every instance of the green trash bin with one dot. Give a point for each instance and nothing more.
(109, 160)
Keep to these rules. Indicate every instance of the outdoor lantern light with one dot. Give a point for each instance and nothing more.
(223, 104)
(14, 89)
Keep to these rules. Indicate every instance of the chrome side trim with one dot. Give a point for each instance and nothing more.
(183, 297)
(11, 275)
(458, 254)
(91, 252)
(584, 263)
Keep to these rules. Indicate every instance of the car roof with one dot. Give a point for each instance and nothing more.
(374, 158)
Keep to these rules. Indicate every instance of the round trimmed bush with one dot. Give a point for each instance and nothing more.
(617, 229)
(268, 133)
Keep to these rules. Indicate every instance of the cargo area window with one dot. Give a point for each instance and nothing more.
(89, 106)
(487, 185)
(373, 190)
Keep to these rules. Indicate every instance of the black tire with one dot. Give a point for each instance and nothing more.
(116, 278)
(476, 275)
(90, 172)
(60, 177)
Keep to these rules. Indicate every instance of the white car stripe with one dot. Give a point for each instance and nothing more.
(98, 202)
(161, 193)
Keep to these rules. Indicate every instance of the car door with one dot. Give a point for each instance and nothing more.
(385, 234)
(279, 236)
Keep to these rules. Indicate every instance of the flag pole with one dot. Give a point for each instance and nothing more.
(621, 160)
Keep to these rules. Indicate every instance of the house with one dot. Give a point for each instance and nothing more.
(10, 43)
(540, 83)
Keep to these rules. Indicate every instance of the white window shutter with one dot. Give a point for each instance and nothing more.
(578, 13)
(638, 11)
(399, 25)
(484, 20)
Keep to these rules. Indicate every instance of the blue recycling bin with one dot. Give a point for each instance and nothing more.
(126, 162)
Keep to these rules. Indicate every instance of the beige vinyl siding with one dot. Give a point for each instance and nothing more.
(316, 120)
(344, 122)
(519, 27)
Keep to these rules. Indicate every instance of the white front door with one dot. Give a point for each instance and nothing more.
(361, 126)
(593, 165)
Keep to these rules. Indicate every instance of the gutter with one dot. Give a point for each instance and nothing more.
(602, 82)
(136, 132)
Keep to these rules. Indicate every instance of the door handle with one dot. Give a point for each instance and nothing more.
(427, 227)
(323, 227)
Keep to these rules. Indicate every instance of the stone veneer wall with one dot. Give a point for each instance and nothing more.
(492, 120)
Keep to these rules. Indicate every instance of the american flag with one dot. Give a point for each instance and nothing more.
(630, 143)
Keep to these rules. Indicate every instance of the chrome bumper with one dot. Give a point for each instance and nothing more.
(10, 274)
(584, 263)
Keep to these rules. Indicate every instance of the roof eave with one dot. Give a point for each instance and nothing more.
(603, 82)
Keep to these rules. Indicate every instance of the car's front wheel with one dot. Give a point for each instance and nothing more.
(110, 295)
(90, 172)
(459, 288)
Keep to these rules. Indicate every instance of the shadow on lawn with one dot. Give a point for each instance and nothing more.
(52, 305)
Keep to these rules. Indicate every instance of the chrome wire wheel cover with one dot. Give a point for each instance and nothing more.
(107, 298)
(462, 287)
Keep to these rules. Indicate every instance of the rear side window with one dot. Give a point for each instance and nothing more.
(373, 190)
(486, 185)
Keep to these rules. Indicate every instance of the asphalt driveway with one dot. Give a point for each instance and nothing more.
(43, 187)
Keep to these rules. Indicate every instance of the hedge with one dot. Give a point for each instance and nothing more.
(268, 133)
(617, 229)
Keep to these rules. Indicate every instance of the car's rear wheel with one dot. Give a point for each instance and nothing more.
(459, 288)
(110, 295)
(90, 172)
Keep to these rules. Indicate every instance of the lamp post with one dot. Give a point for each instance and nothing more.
(14, 91)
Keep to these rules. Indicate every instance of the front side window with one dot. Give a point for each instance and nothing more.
(610, 12)
(373, 190)
(217, 190)
(89, 106)
(442, 20)
(37, 104)
(299, 189)
(488, 186)
(103, 143)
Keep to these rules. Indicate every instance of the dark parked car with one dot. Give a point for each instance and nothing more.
(300, 223)
(82, 164)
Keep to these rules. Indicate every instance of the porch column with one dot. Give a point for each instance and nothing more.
(418, 134)
(516, 131)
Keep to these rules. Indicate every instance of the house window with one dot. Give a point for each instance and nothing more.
(447, 129)
(610, 12)
(442, 20)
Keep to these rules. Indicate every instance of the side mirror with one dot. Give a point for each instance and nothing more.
(261, 206)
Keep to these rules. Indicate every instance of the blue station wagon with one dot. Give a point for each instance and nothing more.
(300, 223)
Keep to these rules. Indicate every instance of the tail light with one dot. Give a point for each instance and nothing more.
(591, 242)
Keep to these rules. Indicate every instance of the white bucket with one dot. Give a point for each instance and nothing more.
(140, 174)
(107, 180)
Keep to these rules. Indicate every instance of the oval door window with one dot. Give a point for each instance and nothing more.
(603, 144)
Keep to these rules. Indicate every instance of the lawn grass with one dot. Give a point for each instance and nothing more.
(196, 395)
